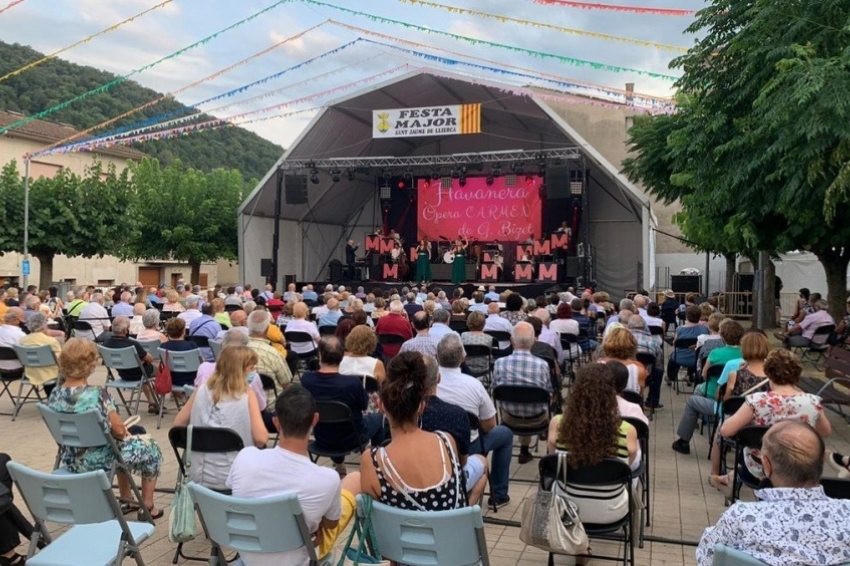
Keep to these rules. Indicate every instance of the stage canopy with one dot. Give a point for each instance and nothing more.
(311, 235)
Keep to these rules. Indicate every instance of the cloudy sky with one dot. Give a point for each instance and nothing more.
(50, 25)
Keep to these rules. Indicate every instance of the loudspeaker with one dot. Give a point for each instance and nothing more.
(287, 280)
(574, 267)
(744, 282)
(686, 283)
(296, 189)
(335, 271)
(557, 182)
(266, 267)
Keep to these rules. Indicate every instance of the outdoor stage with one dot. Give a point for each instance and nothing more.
(527, 290)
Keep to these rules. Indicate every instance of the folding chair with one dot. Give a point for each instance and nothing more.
(182, 362)
(726, 556)
(199, 341)
(32, 357)
(656, 331)
(521, 395)
(682, 344)
(269, 384)
(728, 407)
(264, 526)
(836, 488)
(819, 344)
(215, 346)
(459, 326)
(296, 338)
(82, 326)
(152, 348)
(232, 308)
(648, 361)
(609, 474)
(9, 377)
(481, 351)
(205, 440)
(748, 437)
(500, 336)
(80, 431)
(99, 534)
(568, 343)
(327, 330)
(347, 435)
(713, 375)
(390, 340)
(475, 426)
(124, 359)
(424, 538)
(643, 472)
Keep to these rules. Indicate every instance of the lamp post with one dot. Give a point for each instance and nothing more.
(25, 264)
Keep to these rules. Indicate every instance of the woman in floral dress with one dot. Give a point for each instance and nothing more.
(77, 361)
(783, 401)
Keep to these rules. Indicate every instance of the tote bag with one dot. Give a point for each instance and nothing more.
(181, 517)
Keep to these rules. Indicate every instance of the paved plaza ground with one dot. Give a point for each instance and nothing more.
(682, 502)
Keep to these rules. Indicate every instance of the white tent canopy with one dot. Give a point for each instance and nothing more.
(312, 234)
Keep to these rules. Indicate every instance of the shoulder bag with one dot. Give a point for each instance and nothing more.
(162, 384)
(551, 521)
(181, 517)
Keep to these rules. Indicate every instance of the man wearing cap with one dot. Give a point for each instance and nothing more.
(191, 313)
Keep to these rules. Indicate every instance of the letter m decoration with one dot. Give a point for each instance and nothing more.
(542, 247)
(560, 240)
(523, 272)
(391, 272)
(547, 272)
(373, 244)
(489, 272)
(387, 245)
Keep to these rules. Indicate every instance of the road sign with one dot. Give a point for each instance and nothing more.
(25, 267)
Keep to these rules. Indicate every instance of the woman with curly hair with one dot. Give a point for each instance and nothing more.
(591, 430)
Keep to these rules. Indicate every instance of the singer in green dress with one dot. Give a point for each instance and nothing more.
(423, 261)
(459, 264)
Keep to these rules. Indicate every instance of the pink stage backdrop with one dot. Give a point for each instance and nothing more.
(479, 212)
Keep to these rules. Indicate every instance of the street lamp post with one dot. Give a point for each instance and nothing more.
(25, 264)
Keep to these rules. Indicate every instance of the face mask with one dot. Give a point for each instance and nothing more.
(252, 376)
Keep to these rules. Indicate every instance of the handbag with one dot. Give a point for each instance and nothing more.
(360, 554)
(551, 521)
(181, 517)
(162, 384)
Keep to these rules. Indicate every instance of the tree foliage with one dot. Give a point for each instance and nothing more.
(69, 214)
(57, 80)
(183, 214)
(759, 152)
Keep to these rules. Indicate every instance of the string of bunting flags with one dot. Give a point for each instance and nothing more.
(505, 19)
(104, 31)
(11, 5)
(475, 41)
(618, 8)
(173, 93)
(121, 79)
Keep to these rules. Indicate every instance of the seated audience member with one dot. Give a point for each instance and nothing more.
(457, 388)
(586, 325)
(458, 310)
(224, 401)
(514, 309)
(175, 329)
(327, 504)
(800, 335)
(452, 419)
(620, 379)
(120, 338)
(98, 318)
(650, 345)
(547, 336)
(620, 344)
(411, 307)
(417, 470)
(730, 333)
(496, 323)
(653, 317)
(707, 342)
(11, 335)
(379, 308)
(423, 342)
(81, 299)
(685, 356)
(309, 294)
(475, 337)
(793, 522)
(328, 384)
(172, 302)
(543, 350)
(150, 321)
(478, 301)
(285, 316)
(219, 314)
(591, 429)
(803, 307)
(299, 323)
(395, 322)
(123, 306)
(343, 328)
(330, 318)
(440, 325)
(564, 322)
(269, 361)
(358, 361)
(78, 360)
(523, 369)
(782, 401)
(137, 325)
(39, 336)
(203, 325)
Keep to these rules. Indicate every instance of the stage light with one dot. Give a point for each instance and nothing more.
(455, 174)
(463, 169)
(496, 170)
(518, 168)
(529, 179)
(462, 181)
(386, 192)
(401, 184)
(387, 175)
(350, 174)
(336, 175)
(576, 183)
(314, 176)
(408, 176)
(490, 180)
(435, 174)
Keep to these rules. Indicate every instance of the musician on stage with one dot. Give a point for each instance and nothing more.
(562, 251)
(459, 263)
(564, 229)
(530, 239)
(423, 261)
(350, 259)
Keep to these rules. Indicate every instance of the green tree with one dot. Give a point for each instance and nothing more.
(762, 145)
(69, 215)
(183, 214)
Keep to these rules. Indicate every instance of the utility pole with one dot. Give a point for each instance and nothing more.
(25, 264)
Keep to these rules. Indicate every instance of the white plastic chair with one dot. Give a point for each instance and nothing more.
(124, 359)
(32, 357)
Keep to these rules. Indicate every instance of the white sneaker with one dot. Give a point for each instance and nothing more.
(843, 471)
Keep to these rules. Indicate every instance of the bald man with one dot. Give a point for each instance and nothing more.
(795, 522)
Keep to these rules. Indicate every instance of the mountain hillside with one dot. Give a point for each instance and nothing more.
(58, 80)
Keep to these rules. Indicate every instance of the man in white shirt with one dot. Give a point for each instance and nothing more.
(10, 335)
(123, 307)
(191, 313)
(492, 294)
(496, 323)
(468, 393)
(440, 326)
(301, 324)
(268, 292)
(97, 317)
(326, 503)
(547, 336)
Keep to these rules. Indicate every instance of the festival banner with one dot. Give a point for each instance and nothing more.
(429, 121)
(502, 211)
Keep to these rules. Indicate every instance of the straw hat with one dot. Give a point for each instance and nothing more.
(669, 294)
